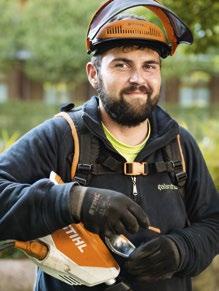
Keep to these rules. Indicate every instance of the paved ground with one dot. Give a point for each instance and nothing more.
(16, 275)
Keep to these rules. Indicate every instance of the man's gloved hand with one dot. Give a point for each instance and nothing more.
(107, 211)
(155, 260)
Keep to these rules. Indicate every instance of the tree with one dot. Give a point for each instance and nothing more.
(9, 31)
(48, 37)
(55, 36)
(202, 18)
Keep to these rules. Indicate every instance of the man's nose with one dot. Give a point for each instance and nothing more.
(137, 77)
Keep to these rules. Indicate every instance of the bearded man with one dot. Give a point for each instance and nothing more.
(137, 166)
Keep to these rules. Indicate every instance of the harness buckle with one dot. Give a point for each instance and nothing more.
(85, 167)
(135, 169)
(176, 165)
(181, 178)
(81, 181)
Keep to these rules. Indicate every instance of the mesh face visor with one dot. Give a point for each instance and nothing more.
(131, 32)
(177, 32)
(131, 28)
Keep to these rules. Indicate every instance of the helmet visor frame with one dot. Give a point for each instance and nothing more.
(176, 29)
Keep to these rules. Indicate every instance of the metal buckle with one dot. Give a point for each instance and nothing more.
(135, 169)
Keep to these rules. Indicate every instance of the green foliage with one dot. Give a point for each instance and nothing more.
(202, 18)
(55, 36)
(17, 116)
(6, 141)
(52, 33)
(210, 147)
(9, 31)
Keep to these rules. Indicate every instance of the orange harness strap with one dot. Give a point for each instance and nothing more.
(75, 160)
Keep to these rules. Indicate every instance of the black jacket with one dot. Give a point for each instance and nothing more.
(31, 206)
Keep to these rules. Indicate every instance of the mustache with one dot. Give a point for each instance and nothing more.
(135, 87)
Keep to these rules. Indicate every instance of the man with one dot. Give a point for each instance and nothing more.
(127, 125)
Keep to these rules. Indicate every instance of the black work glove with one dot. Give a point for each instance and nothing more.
(106, 211)
(154, 260)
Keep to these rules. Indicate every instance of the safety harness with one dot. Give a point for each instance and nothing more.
(86, 162)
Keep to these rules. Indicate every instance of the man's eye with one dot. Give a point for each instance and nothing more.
(121, 66)
(150, 67)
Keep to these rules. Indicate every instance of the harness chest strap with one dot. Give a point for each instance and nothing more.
(144, 168)
(111, 165)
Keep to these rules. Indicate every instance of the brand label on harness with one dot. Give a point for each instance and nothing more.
(162, 187)
(75, 237)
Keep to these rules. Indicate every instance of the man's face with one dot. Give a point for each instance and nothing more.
(128, 84)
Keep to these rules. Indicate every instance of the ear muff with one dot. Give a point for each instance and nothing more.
(176, 30)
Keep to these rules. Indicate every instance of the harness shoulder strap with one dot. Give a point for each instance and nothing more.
(74, 133)
(84, 143)
(173, 153)
(89, 150)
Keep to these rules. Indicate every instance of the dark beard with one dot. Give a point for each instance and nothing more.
(121, 111)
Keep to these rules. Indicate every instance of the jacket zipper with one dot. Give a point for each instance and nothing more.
(134, 187)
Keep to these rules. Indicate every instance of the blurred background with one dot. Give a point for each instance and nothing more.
(42, 60)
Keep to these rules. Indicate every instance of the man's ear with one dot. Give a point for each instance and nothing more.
(92, 74)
